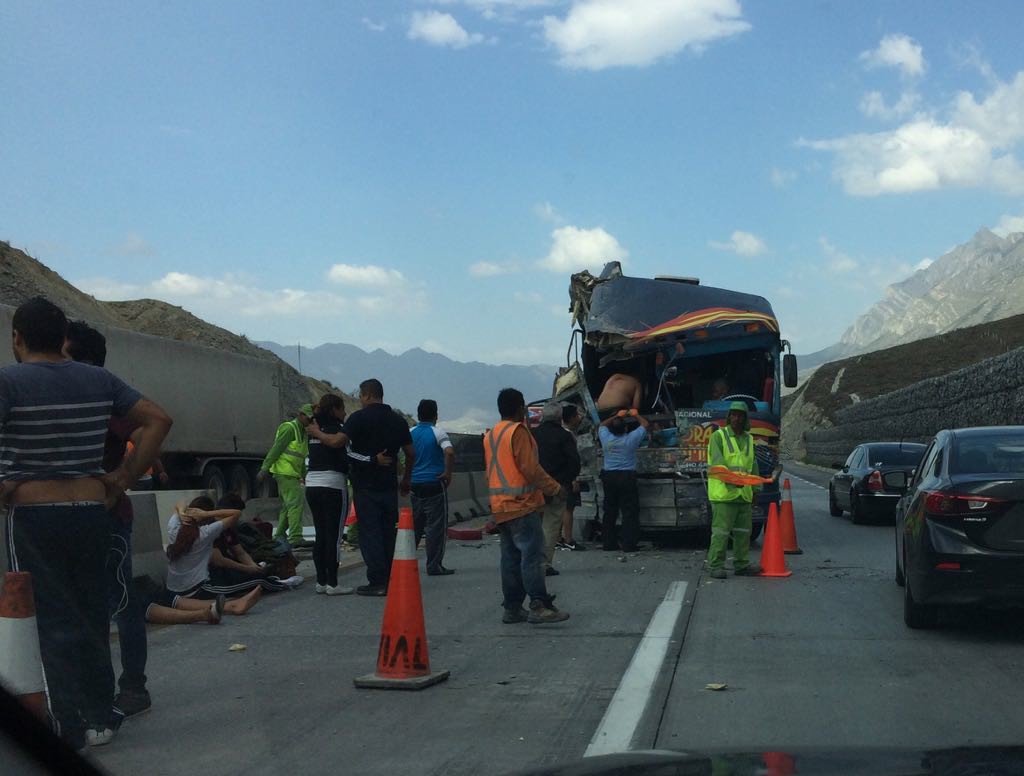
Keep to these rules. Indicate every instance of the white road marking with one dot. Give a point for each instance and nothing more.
(623, 715)
(806, 482)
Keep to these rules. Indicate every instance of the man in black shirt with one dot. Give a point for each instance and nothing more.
(375, 434)
(558, 456)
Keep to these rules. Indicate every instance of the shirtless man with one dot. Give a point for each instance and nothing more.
(621, 392)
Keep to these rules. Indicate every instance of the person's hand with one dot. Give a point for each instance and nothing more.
(164, 478)
(621, 414)
(115, 483)
(445, 479)
(261, 476)
(383, 459)
(633, 413)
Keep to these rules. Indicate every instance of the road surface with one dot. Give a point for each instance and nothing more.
(819, 659)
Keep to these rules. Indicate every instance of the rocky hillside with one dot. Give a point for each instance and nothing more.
(840, 384)
(977, 282)
(22, 277)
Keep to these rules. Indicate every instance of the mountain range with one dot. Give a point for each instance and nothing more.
(465, 391)
(977, 282)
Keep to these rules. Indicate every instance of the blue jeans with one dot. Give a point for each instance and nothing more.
(522, 561)
(125, 607)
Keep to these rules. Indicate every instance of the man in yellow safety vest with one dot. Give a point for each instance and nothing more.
(287, 462)
(731, 446)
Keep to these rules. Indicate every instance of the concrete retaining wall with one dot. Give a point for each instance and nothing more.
(988, 393)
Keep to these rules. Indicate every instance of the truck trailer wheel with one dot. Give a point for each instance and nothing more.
(239, 481)
(215, 481)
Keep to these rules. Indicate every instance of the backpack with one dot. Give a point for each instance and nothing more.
(276, 554)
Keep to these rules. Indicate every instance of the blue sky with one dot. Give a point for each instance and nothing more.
(429, 173)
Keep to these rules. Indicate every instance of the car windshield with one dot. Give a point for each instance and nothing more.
(986, 454)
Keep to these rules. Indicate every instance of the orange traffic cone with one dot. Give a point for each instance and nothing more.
(788, 523)
(773, 558)
(351, 518)
(403, 662)
(21, 669)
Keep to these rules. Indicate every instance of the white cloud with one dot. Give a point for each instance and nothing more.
(781, 178)
(365, 275)
(873, 105)
(925, 263)
(370, 24)
(573, 249)
(974, 147)
(545, 211)
(135, 245)
(1009, 225)
(742, 244)
(441, 29)
(598, 34)
(899, 51)
(488, 269)
(838, 262)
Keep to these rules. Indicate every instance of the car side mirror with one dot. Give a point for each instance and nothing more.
(789, 376)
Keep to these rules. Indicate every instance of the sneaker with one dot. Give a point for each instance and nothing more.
(718, 574)
(572, 546)
(131, 703)
(339, 590)
(320, 588)
(294, 581)
(748, 571)
(98, 735)
(373, 590)
(217, 609)
(541, 613)
(441, 572)
(551, 571)
(512, 616)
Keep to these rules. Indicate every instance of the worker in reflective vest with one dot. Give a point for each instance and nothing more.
(287, 462)
(731, 446)
(518, 486)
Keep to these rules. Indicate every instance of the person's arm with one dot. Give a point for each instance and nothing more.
(638, 395)
(525, 454)
(183, 540)
(222, 561)
(449, 455)
(340, 439)
(285, 436)
(153, 424)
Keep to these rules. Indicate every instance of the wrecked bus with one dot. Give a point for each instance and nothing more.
(694, 349)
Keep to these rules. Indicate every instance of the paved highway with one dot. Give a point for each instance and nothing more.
(819, 659)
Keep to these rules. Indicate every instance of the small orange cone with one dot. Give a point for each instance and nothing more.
(352, 519)
(788, 523)
(403, 661)
(21, 669)
(773, 558)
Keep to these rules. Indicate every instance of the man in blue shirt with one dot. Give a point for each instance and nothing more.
(431, 476)
(618, 475)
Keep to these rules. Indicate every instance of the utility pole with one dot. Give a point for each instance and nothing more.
(298, 350)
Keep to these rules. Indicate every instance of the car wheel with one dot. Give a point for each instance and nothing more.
(833, 508)
(915, 615)
(856, 517)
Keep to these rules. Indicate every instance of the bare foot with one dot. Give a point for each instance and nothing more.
(240, 606)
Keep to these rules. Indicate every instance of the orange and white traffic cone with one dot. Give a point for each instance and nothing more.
(403, 660)
(773, 558)
(788, 523)
(21, 669)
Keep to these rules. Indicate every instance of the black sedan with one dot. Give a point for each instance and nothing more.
(960, 526)
(860, 486)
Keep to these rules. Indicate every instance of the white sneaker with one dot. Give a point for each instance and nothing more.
(321, 588)
(293, 582)
(99, 736)
(339, 590)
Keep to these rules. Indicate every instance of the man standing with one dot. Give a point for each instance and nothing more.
(517, 487)
(374, 435)
(287, 462)
(618, 475)
(431, 476)
(83, 343)
(731, 446)
(571, 419)
(558, 456)
(54, 414)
